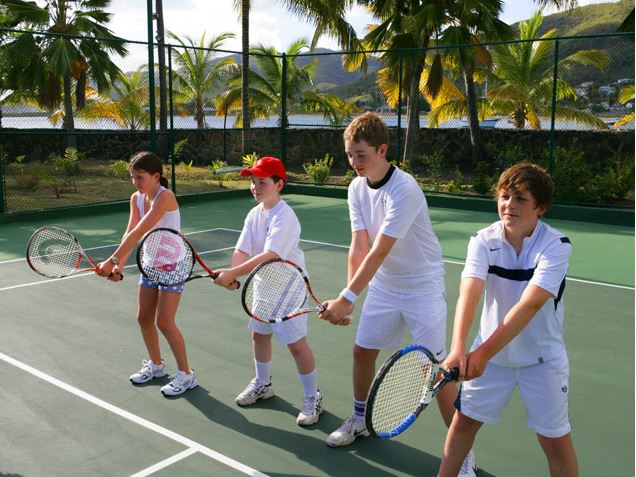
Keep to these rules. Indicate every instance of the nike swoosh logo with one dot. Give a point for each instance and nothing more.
(439, 352)
(493, 249)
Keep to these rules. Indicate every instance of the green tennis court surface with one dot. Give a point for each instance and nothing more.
(68, 346)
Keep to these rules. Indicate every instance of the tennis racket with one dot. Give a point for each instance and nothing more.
(403, 387)
(167, 257)
(55, 253)
(278, 290)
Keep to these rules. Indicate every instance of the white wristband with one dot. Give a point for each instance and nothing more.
(348, 295)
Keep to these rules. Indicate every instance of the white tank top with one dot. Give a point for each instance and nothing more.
(170, 220)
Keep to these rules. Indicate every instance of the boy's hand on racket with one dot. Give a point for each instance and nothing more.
(456, 359)
(225, 278)
(476, 362)
(337, 312)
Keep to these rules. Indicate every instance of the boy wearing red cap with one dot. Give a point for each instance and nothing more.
(272, 230)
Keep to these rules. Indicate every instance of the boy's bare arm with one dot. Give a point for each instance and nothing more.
(470, 291)
(516, 319)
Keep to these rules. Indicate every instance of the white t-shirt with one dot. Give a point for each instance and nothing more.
(543, 262)
(397, 208)
(274, 230)
(169, 220)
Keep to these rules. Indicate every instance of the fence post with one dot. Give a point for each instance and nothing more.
(171, 111)
(283, 110)
(3, 202)
(151, 79)
(399, 112)
(554, 91)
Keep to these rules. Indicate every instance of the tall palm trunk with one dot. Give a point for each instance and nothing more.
(471, 103)
(69, 122)
(245, 99)
(412, 110)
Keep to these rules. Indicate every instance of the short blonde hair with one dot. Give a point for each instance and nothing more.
(531, 177)
(368, 127)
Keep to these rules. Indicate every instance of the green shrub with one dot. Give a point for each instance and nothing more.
(433, 170)
(178, 148)
(571, 175)
(249, 160)
(456, 185)
(349, 176)
(482, 182)
(118, 169)
(319, 170)
(69, 162)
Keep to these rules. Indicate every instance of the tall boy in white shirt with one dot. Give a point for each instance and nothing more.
(271, 230)
(395, 251)
(522, 262)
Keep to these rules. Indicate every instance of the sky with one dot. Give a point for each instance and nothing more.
(270, 24)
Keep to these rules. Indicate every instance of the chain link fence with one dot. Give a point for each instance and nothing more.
(565, 103)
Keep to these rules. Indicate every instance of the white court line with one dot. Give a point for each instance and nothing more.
(165, 463)
(134, 418)
(455, 262)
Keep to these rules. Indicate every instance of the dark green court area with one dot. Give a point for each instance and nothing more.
(68, 346)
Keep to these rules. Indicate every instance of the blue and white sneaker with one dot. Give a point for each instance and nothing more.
(253, 392)
(350, 430)
(148, 372)
(179, 383)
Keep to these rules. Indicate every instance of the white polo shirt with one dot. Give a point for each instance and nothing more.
(397, 208)
(543, 262)
(274, 230)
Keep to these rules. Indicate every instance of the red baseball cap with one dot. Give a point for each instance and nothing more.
(266, 167)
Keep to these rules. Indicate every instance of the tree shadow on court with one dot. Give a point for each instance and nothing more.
(369, 457)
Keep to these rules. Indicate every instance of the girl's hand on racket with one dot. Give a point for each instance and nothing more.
(116, 275)
(337, 312)
(225, 278)
(105, 268)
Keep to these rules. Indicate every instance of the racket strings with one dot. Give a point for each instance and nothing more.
(409, 381)
(53, 252)
(166, 258)
(277, 290)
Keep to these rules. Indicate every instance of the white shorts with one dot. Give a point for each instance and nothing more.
(287, 332)
(386, 314)
(543, 388)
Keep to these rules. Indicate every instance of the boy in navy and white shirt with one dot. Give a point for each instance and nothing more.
(523, 263)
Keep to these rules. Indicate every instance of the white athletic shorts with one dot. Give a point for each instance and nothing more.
(287, 332)
(543, 388)
(386, 314)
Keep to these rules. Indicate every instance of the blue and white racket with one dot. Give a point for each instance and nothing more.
(403, 387)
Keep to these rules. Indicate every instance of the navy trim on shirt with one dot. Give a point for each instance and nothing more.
(518, 275)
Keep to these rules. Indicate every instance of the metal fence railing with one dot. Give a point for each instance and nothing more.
(563, 102)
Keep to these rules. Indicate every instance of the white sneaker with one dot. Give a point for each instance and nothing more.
(347, 433)
(253, 392)
(469, 466)
(148, 371)
(311, 411)
(179, 383)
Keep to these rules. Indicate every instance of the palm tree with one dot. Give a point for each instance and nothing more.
(266, 85)
(473, 22)
(197, 72)
(129, 105)
(77, 49)
(522, 76)
(406, 30)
